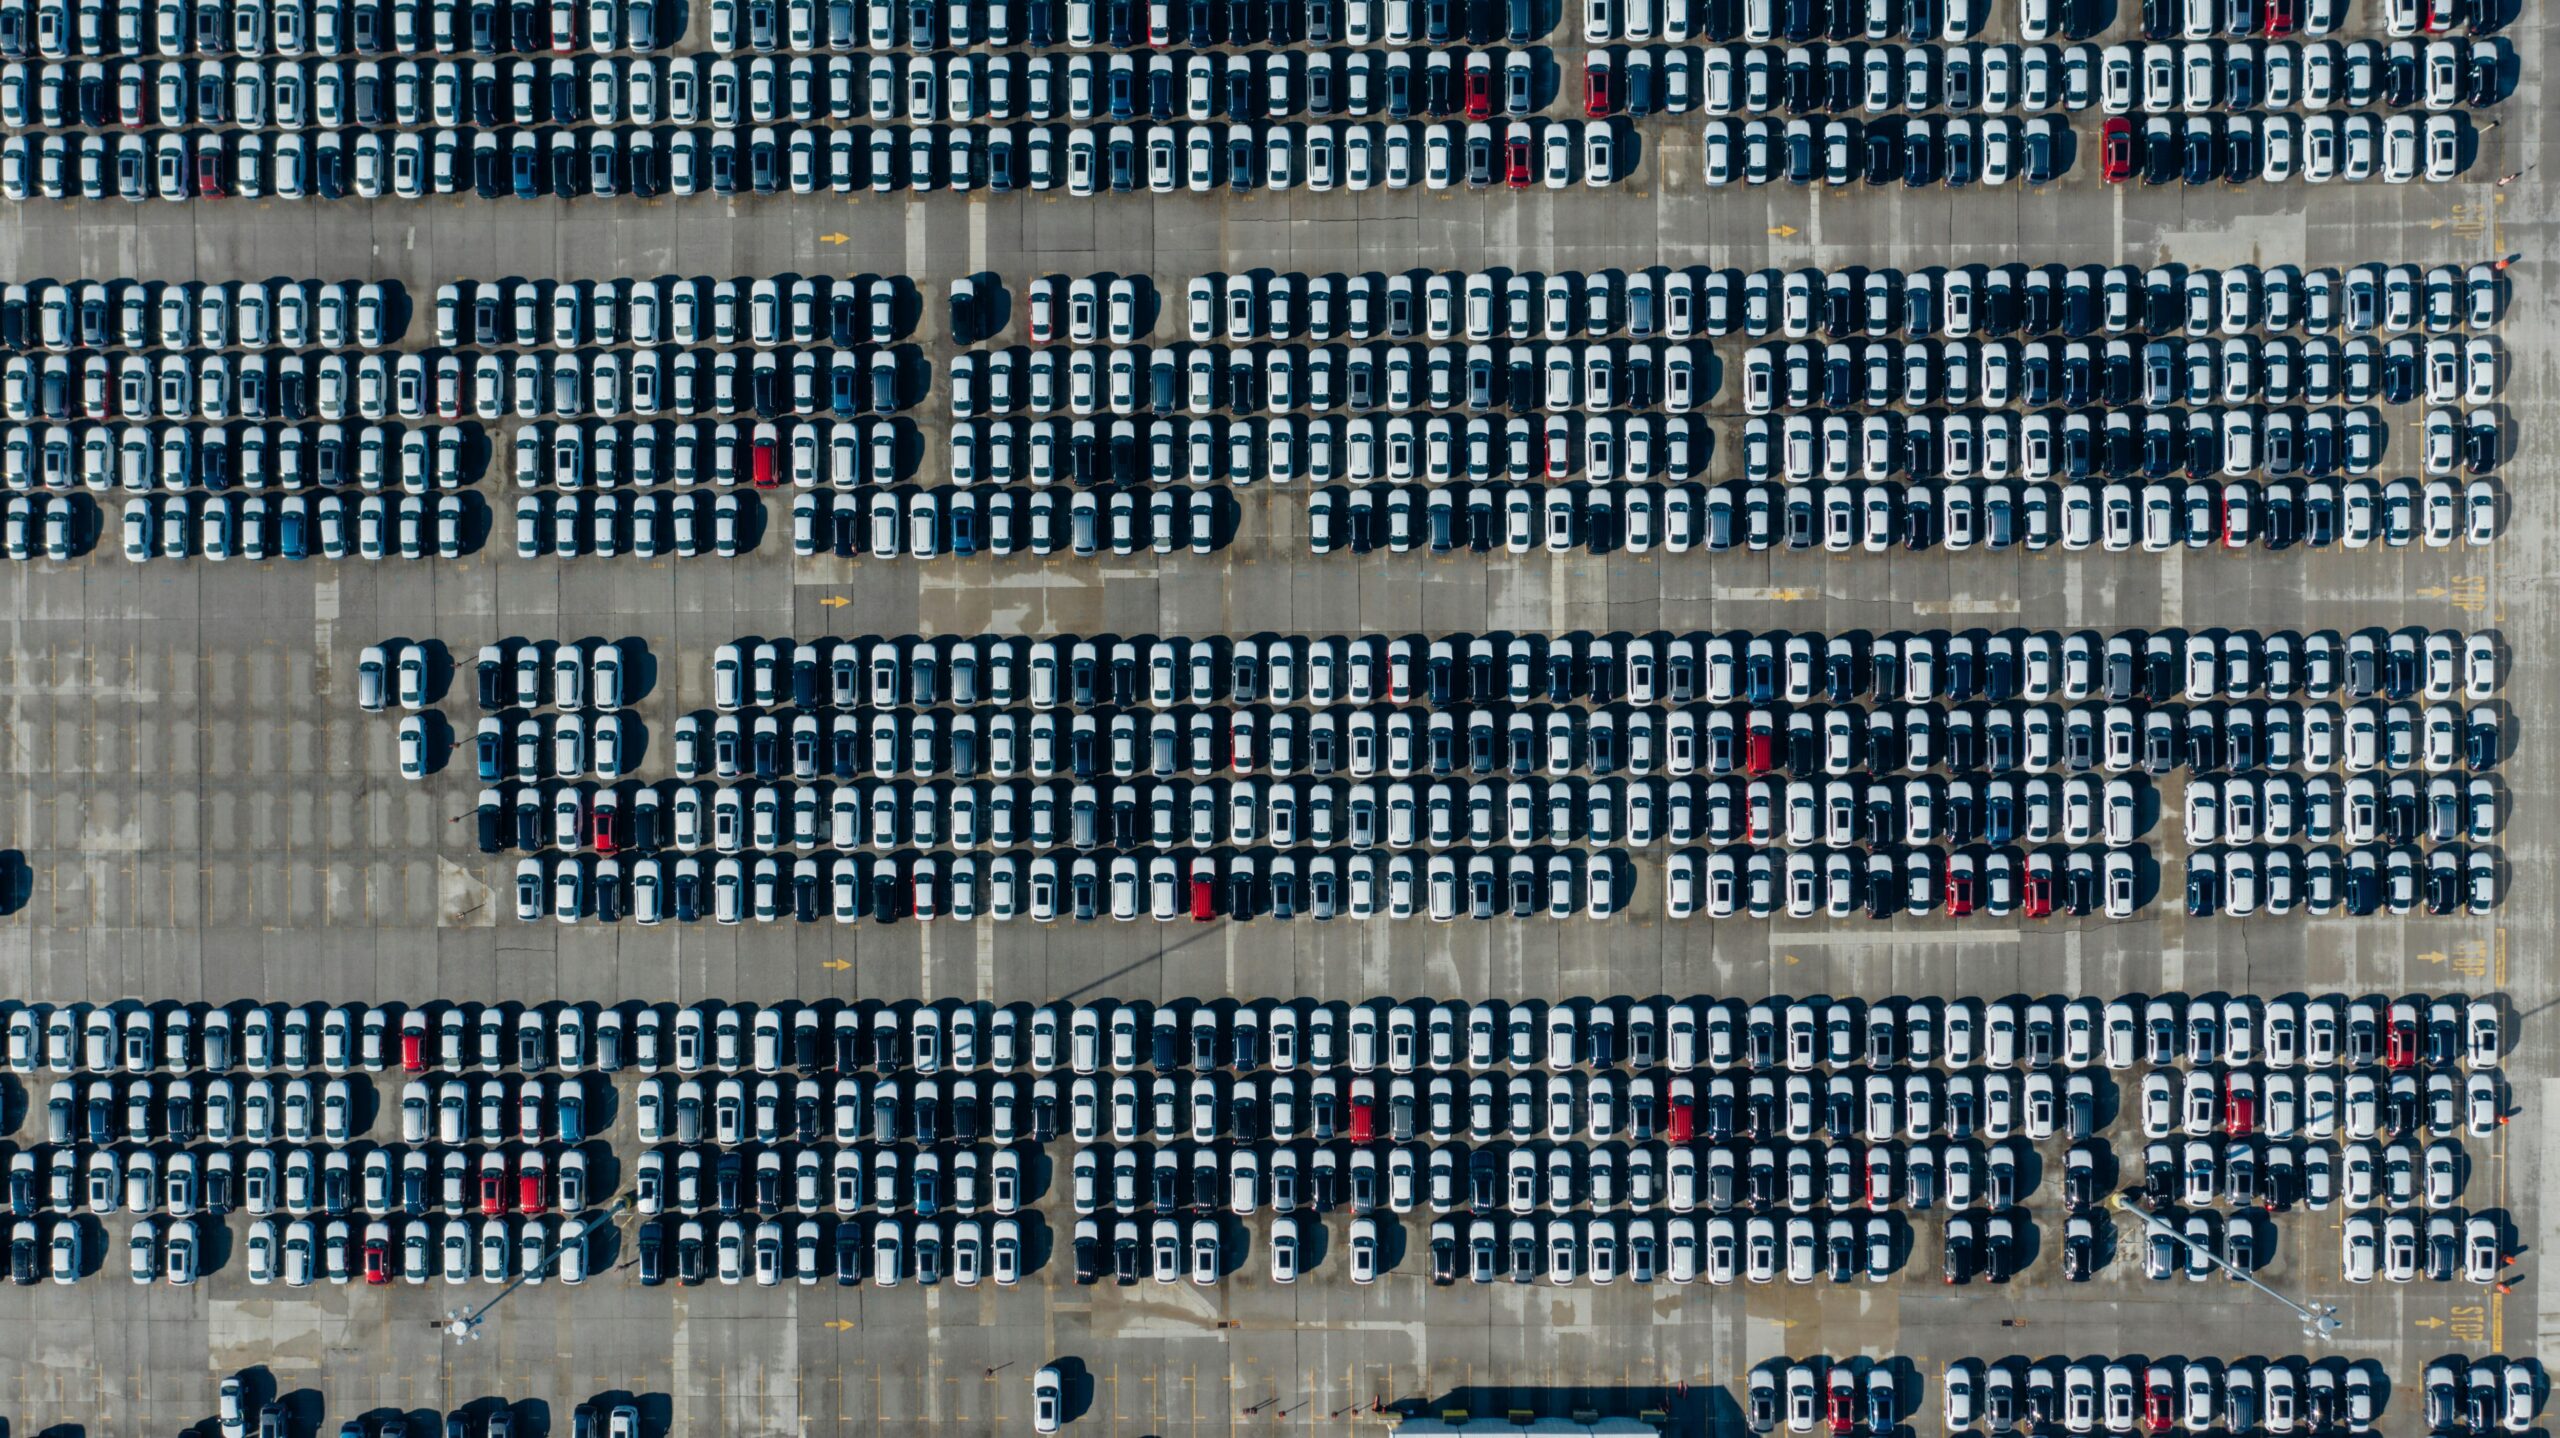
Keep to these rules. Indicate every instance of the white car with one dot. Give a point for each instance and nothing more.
(1048, 1401)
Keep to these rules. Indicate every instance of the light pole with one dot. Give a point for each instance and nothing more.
(463, 1325)
(2319, 1320)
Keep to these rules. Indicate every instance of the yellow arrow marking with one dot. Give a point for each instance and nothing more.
(834, 239)
(1784, 232)
(840, 1324)
(2431, 958)
(837, 964)
(835, 601)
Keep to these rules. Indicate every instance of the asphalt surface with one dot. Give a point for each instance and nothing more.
(204, 812)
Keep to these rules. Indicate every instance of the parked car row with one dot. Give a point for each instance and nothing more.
(2236, 809)
(250, 314)
(2402, 1034)
(576, 454)
(1918, 151)
(2314, 148)
(2500, 1391)
(375, 1179)
(884, 1252)
(262, 1038)
(1841, 882)
(1797, 1033)
(1130, 24)
(766, 312)
(2200, 74)
(565, 746)
(58, 29)
(1361, 886)
(2130, 1394)
(1997, 444)
(851, 816)
(59, 1249)
(1970, 1104)
(650, 161)
(879, 672)
(1879, 883)
(1838, 741)
(1959, 302)
(48, 527)
(139, 458)
(2240, 881)
(1200, 380)
(2245, 1098)
(923, 523)
(1853, 806)
(693, 90)
(509, 674)
(1125, 24)
(101, 1111)
(1972, 1107)
(2275, 1174)
(2160, 374)
(2159, 77)
(1917, 515)
(334, 1110)
(252, 527)
(443, 384)
(1282, 449)
(685, 524)
(495, 1248)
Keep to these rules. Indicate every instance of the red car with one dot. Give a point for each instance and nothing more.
(1682, 1120)
(2116, 150)
(2240, 1114)
(762, 462)
(493, 1193)
(1515, 157)
(2400, 1043)
(1204, 898)
(2039, 890)
(209, 174)
(1843, 1416)
(2159, 1408)
(1479, 89)
(1959, 891)
(530, 1197)
(377, 1261)
(413, 1051)
(1598, 96)
(1755, 749)
(1364, 1121)
(2281, 21)
(603, 829)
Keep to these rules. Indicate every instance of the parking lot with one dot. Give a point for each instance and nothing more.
(203, 812)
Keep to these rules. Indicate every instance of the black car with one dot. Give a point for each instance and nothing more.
(2198, 153)
(1958, 1259)
(2079, 1255)
(653, 1253)
(849, 1253)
